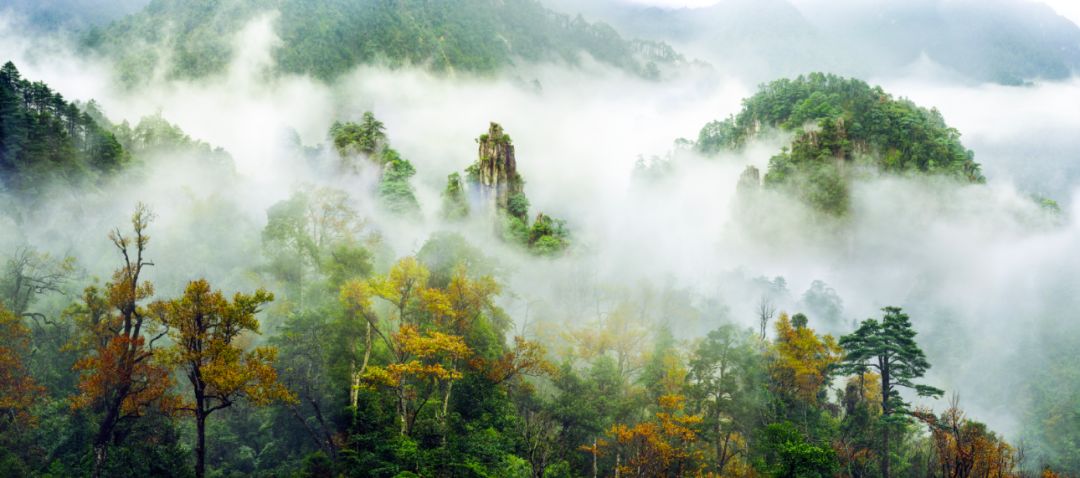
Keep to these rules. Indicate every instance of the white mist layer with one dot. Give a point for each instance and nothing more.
(978, 267)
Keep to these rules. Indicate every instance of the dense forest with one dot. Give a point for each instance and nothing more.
(329, 37)
(344, 265)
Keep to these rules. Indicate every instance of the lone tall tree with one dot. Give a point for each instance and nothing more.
(204, 326)
(119, 377)
(888, 347)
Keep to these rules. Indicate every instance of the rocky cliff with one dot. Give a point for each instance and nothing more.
(495, 173)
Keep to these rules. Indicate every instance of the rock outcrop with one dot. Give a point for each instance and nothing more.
(495, 173)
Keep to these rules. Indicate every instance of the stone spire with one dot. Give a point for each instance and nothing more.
(496, 170)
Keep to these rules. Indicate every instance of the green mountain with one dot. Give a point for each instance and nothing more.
(328, 37)
(842, 128)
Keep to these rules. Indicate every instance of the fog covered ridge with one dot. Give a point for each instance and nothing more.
(328, 38)
(1001, 41)
(536, 271)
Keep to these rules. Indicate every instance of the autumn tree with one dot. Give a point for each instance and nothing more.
(419, 370)
(967, 449)
(207, 330)
(18, 390)
(888, 348)
(423, 358)
(621, 333)
(120, 379)
(856, 444)
(801, 360)
(668, 445)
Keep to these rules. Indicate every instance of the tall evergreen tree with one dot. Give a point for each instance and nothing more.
(888, 347)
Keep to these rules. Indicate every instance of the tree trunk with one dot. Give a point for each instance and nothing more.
(200, 444)
(886, 390)
(443, 423)
(104, 435)
(101, 453)
(885, 455)
(354, 393)
(354, 386)
(595, 472)
(402, 412)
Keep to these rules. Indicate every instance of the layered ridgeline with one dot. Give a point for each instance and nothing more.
(326, 38)
(1002, 41)
(842, 129)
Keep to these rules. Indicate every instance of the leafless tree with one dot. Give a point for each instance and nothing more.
(29, 274)
(766, 311)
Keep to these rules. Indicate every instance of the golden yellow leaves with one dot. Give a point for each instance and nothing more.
(423, 357)
(432, 344)
(355, 295)
(406, 278)
(206, 329)
(801, 360)
(664, 446)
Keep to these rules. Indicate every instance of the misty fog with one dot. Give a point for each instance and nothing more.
(985, 273)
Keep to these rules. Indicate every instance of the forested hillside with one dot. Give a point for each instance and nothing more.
(326, 38)
(843, 129)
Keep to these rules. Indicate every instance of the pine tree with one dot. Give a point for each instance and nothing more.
(888, 347)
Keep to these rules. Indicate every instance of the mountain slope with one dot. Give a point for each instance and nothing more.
(328, 37)
(842, 128)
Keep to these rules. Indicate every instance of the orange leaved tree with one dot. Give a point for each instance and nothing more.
(119, 378)
(17, 388)
(666, 446)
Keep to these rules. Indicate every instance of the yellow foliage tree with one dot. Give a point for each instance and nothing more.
(421, 336)
(801, 360)
(665, 446)
(206, 329)
(424, 335)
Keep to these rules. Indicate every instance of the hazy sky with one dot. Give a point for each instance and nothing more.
(1067, 8)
